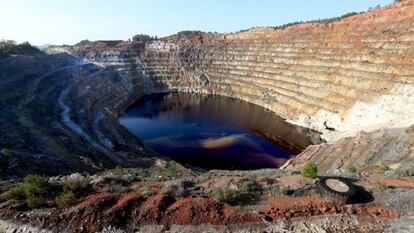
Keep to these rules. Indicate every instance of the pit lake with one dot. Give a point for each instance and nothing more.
(214, 132)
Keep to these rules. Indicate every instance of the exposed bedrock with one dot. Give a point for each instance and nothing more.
(342, 79)
(338, 78)
(57, 113)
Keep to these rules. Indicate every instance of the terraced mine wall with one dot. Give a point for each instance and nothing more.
(344, 78)
(338, 78)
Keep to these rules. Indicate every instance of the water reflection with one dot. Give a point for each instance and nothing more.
(214, 132)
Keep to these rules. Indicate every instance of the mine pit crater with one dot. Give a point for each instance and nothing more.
(215, 132)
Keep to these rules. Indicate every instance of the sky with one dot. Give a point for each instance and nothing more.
(70, 21)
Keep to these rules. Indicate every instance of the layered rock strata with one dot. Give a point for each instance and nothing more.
(338, 78)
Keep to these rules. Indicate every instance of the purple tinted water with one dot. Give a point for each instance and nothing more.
(214, 132)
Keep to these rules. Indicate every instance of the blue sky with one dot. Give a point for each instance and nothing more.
(69, 21)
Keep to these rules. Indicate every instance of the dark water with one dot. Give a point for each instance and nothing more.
(214, 132)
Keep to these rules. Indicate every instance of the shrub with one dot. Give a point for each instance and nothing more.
(171, 169)
(65, 199)
(36, 201)
(76, 184)
(140, 172)
(310, 170)
(249, 193)
(351, 169)
(118, 186)
(119, 170)
(36, 185)
(35, 190)
(16, 193)
(225, 195)
(178, 188)
(253, 187)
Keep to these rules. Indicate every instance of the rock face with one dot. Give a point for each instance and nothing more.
(343, 78)
(57, 113)
(338, 78)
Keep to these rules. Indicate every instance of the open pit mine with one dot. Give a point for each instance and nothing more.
(306, 128)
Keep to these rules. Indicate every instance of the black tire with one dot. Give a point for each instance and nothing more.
(337, 196)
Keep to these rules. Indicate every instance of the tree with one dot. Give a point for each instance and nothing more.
(141, 37)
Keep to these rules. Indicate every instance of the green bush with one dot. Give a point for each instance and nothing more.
(171, 169)
(310, 170)
(36, 201)
(65, 199)
(35, 189)
(16, 193)
(351, 169)
(119, 170)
